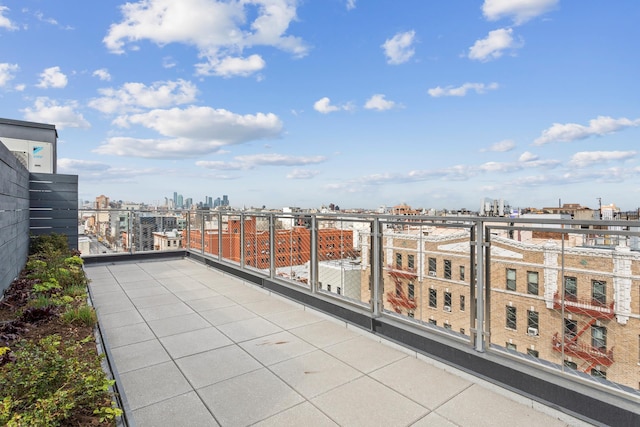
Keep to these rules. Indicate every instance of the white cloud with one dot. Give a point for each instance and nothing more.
(399, 48)
(494, 45)
(131, 97)
(231, 66)
(599, 126)
(527, 157)
(501, 146)
(4, 21)
(220, 165)
(351, 4)
(479, 88)
(217, 29)
(520, 11)
(273, 159)
(75, 165)
(323, 105)
(190, 132)
(46, 110)
(587, 158)
(302, 174)
(7, 73)
(254, 160)
(102, 74)
(168, 62)
(52, 77)
(378, 102)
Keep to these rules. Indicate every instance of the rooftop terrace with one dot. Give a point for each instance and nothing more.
(195, 346)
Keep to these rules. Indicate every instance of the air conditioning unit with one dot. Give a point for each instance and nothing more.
(432, 273)
(23, 157)
(447, 308)
(533, 332)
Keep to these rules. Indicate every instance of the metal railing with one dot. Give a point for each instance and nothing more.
(439, 275)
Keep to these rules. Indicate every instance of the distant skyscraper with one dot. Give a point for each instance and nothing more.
(209, 202)
(225, 200)
(179, 202)
(175, 198)
(188, 203)
(217, 202)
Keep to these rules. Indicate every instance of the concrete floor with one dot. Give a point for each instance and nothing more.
(195, 347)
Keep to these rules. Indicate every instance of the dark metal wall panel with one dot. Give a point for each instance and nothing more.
(14, 217)
(54, 205)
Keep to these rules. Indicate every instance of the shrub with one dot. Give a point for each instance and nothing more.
(83, 315)
(47, 381)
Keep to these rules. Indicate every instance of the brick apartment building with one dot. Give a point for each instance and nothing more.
(292, 245)
(539, 292)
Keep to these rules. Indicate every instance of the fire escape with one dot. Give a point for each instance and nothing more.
(397, 297)
(595, 311)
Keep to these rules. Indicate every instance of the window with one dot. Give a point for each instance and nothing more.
(532, 323)
(339, 290)
(329, 288)
(598, 373)
(447, 300)
(412, 291)
(511, 317)
(432, 267)
(599, 292)
(511, 346)
(447, 269)
(570, 288)
(411, 261)
(532, 282)
(462, 303)
(433, 298)
(462, 272)
(533, 353)
(511, 279)
(398, 260)
(599, 338)
(570, 364)
(570, 329)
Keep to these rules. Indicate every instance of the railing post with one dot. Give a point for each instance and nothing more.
(242, 243)
(479, 287)
(187, 243)
(202, 220)
(313, 262)
(220, 235)
(132, 240)
(376, 268)
(272, 246)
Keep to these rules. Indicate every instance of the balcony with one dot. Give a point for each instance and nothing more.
(584, 306)
(209, 294)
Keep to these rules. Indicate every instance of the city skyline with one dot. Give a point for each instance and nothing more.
(290, 103)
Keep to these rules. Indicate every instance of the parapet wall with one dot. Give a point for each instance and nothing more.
(14, 217)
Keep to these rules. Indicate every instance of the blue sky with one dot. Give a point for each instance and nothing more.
(359, 103)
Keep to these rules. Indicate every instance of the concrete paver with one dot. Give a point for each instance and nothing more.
(193, 346)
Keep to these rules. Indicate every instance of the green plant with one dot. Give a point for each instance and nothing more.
(47, 381)
(75, 291)
(83, 315)
(48, 244)
(49, 285)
